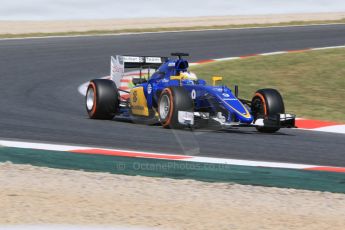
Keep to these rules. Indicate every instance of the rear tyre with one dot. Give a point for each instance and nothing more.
(102, 99)
(266, 104)
(171, 101)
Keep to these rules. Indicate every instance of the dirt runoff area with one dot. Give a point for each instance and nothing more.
(38, 195)
(27, 27)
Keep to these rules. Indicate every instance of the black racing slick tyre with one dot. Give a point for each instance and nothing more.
(266, 104)
(171, 101)
(102, 99)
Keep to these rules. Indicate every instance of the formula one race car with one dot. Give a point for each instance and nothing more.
(174, 97)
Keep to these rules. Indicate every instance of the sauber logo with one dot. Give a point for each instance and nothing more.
(133, 59)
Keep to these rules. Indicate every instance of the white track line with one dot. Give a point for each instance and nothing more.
(162, 156)
(332, 129)
(266, 54)
(66, 148)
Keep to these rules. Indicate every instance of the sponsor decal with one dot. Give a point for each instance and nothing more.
(133, 59)
(153, 60)
(149, 89)
(218, 89)
(117, 69)
(138, 107)
(135, 96)
(193, 94)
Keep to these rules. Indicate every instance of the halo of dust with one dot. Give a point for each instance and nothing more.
(39, 195)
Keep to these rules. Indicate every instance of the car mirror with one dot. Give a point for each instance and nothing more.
(216, 80)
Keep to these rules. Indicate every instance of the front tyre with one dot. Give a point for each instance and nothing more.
(266, 104)
(171, 101)
(102, 99)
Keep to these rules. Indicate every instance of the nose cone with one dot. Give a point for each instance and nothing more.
(247, 118)
(240, 110)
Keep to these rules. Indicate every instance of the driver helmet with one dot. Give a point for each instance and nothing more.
(189, 75)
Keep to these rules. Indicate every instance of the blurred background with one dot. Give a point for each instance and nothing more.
(105, 9)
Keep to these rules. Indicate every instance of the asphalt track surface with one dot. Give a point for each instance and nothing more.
(39, 98)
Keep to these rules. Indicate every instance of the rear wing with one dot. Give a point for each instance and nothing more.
(119, 63)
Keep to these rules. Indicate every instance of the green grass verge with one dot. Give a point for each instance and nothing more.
(100, 32)
(312, 83)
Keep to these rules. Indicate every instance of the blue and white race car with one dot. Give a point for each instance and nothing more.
(162, 89)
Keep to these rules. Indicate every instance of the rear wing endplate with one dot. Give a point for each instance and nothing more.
(119, 63)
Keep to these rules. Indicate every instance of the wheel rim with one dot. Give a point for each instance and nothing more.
(90, 98)
(258, 108)
(164, 107)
